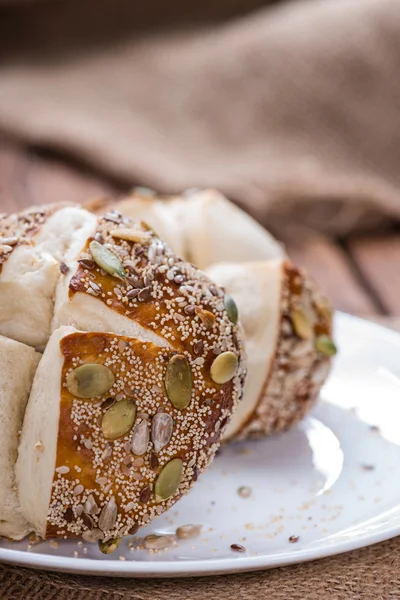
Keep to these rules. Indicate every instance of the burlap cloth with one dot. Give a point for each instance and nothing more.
(291, 109)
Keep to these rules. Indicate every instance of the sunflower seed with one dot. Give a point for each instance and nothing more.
(90, 380)
(140, 438)
(107, 453)
(132, 235)
(158, 542)
(108, 515)
(162, 426)
(186, 532)
(145, 495)
(86, 263)
(92, 536)
(90, 507)
(144, 294)
(206, 317)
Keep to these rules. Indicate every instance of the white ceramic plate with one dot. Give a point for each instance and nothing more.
(332, 481)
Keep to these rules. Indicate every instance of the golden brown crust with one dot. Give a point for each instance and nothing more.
(298, 370)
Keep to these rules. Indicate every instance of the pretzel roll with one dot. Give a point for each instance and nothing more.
(288, 328)
(203, 227)
(115, 432)
(17, 368)
(33, 244)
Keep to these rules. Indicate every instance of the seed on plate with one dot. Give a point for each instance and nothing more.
(158, 542)
(231, 309)
(325, 345)
(294, 538)
(238, 548)
(109, 546)
(107, 260)
(168, 480)
(108, 515)
(244, 491)
(132, 235)
(118, 419)
(90, 380)
(178, 381)
(140, 438)
(162, 427)
(302, 323)
(223, 368)
(186, 532)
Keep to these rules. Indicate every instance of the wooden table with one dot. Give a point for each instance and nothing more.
(361, 276)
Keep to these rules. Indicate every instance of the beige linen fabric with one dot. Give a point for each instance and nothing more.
(292, 110)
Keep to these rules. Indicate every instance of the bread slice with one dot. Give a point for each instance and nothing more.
(288, 326)
(100, 463)
(17, 368)
(203, 227)
(33, 244)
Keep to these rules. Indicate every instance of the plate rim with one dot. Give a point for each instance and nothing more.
(207, 567)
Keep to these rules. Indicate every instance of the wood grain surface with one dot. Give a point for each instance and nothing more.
(362, 276)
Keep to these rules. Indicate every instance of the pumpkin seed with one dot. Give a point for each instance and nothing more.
(231, 309)
(118, 419)
(140, 439)
(107, 260)
(302, 323)
(90, 381)
(168, 480)
(325, 345)
(109, 546)
(223, 368)
(178, 382)
(161, 430)
(132, 235)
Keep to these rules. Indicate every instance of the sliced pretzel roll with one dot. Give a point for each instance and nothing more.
(116, 430)
(203, 227)
(288, 328)
(17, 368)
(32, 246)
(128, 281)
